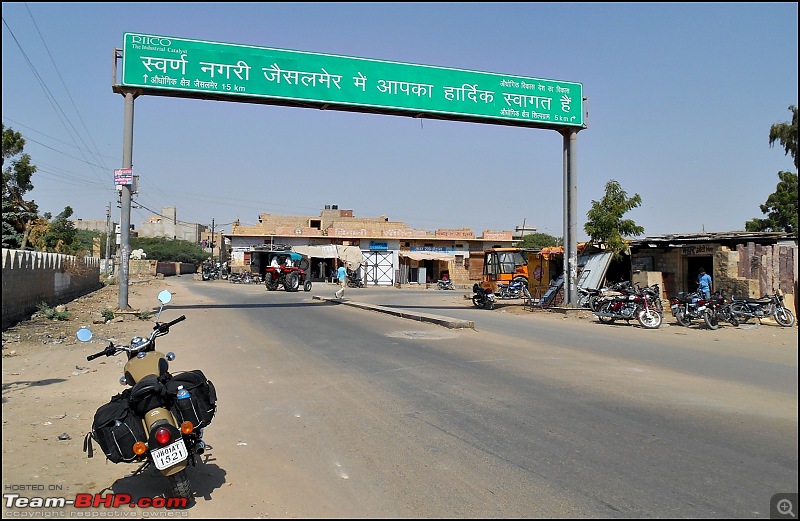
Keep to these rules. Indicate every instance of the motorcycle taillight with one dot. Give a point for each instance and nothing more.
(163, 436)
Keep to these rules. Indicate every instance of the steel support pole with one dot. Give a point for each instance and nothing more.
(570, 217)
(125, 212)
(108, 238)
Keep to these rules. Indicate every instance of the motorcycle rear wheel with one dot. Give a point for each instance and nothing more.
(650, 319)
(740, 311)
(180, 485)
(784, 317)
(605, 320)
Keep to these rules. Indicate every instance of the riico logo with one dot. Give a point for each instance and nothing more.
(157, 41)
(94, 501)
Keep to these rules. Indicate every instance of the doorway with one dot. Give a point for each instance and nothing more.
(693, 265)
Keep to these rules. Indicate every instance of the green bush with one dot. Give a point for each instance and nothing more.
(51, 313)
(107, 314)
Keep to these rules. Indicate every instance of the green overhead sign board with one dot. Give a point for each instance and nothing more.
(163, 63)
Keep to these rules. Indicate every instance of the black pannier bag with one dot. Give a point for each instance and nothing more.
(201, 405)
(116, 428)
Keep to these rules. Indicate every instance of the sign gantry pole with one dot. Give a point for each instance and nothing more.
(125, 197)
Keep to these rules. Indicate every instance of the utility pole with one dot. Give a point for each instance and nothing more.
(108, 237)
(212, 239)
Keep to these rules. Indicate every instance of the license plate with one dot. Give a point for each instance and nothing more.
(170, 455)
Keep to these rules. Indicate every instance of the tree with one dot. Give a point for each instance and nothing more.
(605, 224)
(781, 205)
(537, 241)
(781, 208)
(170, 250)
(17, 212)
(786, 133)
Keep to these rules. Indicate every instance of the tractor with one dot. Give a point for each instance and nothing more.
(287, 269)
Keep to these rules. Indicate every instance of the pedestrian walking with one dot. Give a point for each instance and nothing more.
(342, 274)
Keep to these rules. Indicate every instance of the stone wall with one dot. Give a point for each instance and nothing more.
(145, 269)
(31, 278)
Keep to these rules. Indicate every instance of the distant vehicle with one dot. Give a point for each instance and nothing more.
(501, 266)
(287, 269)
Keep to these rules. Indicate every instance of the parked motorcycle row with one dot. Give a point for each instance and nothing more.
(245, 278)
(214, 271)
(160, 417)
(624, 301)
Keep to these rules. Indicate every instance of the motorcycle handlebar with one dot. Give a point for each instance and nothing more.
(165, 327)
(110, 350)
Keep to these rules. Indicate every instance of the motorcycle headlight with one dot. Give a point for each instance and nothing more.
(138, 341)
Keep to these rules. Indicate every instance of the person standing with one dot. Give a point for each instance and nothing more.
(341, 273)
(704, 283)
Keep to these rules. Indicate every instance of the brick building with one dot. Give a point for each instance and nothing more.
(391, 252)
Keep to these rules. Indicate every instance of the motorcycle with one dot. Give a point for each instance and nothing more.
(688, 307)
(718, 308)
(638, 305)
(160, 418)
(482, 298)
(767, 306)
(594, 298)
(354, 279)
(514, 289)
(445, 284)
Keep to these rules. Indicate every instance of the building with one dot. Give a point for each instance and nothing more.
(167, 225)
(745, 264)
(391, 252)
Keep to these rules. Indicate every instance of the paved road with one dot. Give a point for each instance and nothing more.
(357, 413)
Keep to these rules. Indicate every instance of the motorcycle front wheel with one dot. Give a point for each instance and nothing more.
(179, 484)
(477, 301)
(650, 319)
(784, 317)
(682, 319)
(711, 319)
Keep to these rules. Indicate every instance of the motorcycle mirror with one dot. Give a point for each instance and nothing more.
(165, 296)
(84, 334)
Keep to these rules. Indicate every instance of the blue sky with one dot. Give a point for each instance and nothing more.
(681, 97)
